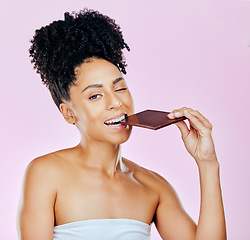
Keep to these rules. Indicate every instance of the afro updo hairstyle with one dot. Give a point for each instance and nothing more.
(58, 48)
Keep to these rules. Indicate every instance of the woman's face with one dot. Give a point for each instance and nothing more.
(99, 99)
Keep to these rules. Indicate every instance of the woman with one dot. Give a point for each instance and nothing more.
(90, 191)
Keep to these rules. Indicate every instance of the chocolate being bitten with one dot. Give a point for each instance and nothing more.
(151, 119)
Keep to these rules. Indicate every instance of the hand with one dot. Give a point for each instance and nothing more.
(197, 137)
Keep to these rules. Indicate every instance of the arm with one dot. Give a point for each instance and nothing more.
(36, 215)
(171, 220)
(211, 225)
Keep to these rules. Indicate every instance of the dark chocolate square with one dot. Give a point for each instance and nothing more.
(151, 119)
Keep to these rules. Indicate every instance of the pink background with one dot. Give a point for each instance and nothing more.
(183, 53)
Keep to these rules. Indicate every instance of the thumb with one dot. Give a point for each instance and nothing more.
(183, 129)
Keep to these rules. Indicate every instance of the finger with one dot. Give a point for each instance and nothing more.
(197, 114)
(183, 129)
(177, 113)
(195, 122)
(180, 113)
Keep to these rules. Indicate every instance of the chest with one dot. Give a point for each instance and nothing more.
(95, 196)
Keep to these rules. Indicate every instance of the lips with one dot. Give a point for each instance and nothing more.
(115, 121)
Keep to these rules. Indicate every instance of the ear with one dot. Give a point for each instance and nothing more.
(67, 113)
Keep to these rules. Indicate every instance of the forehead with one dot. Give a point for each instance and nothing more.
(96, 71)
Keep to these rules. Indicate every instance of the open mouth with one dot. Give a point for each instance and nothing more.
(116, 121)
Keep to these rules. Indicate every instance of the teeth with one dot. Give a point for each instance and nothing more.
(115, 120)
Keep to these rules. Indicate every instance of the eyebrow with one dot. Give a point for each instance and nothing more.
(100, 85)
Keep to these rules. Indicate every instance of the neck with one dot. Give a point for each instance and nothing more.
(99, 155)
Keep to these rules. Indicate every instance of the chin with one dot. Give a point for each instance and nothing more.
(122, 138)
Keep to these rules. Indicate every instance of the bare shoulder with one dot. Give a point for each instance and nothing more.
(41, 181)
(145, 173)
(169, 210)
(38, 196)
(46, 169)
(150, 178)
(52, 160)
(46, 163)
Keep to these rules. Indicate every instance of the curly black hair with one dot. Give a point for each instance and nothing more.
(58, 48)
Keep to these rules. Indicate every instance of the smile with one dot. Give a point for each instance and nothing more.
(115, 121)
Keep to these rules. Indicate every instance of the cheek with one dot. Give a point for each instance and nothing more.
(81, 114)
(91, 113)
(128, 101)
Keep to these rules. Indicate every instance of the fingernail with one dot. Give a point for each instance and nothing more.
(170, 115)
(177, 114)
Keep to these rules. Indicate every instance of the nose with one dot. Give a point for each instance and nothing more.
(113, 101)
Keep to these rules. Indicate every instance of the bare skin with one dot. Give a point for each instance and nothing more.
(81, 183)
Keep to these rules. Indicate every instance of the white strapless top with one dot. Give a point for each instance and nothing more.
(103, 229)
